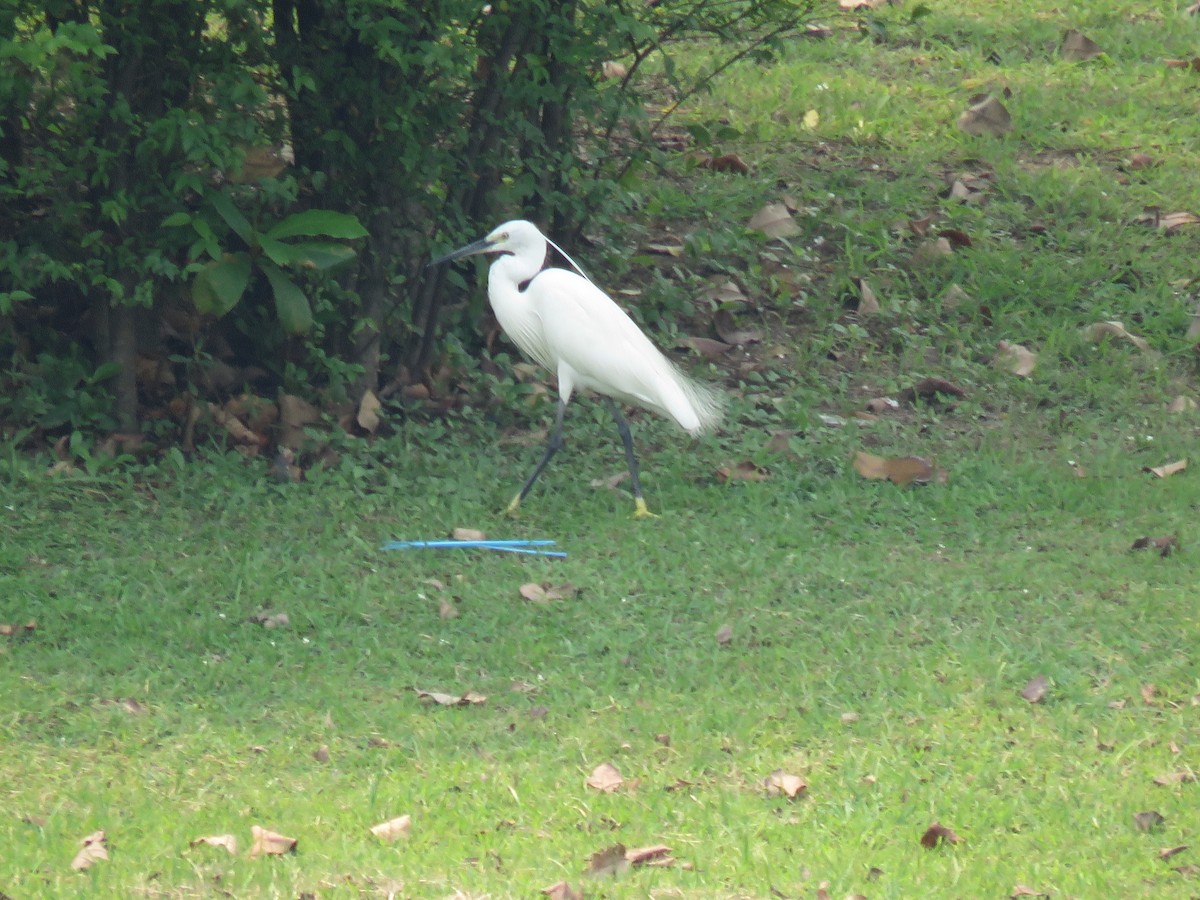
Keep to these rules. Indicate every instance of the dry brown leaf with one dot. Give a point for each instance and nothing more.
(1193, 63)
(1165, 545)
(226, 842)
(269, 619)
(7, 630)
(368, 412)
(546, 592)
(1015, 358)
(1035, 690)
(1139, 161)
(446, 609)
(1148, 820)
(728, 332)
(900, 470)
(937, 833)
(956, 237)
(729, 162)
(1168, 852)
(648, 856)
(321, 754)
(849, 718)
(270, 843)
(861, 4)
(779, 782)
(774, 220)
(295, 413)
(1181, 404)
(470, 698)
(94, 850)
(1166, 470)
(868, 303)
(742, 471)
(562, 891)
(986, 117)
(724, 635)
(706, 347)
(235, 428)
(930, 389)
(1149, 692)
(1168, 223)
(1170, 778)
(609, 861)
(606, 779)
(931, 252)
(467, 534)
(1098, 331)
(393, 829)
(1021, 890)
(879, 405)
(721, 291)
(1077, 47)
(780, 442)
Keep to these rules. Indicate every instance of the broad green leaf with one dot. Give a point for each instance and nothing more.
(174, 220)
(318, 255)
(219, 286)
(319, 222)
(294, 312)
(209, 240)
(233, 216)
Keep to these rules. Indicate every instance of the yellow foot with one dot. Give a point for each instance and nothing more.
(515, 507)
(640, 510)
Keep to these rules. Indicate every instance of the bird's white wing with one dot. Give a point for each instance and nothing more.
(607, 352)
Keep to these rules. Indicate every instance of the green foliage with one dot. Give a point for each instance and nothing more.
(220, 283)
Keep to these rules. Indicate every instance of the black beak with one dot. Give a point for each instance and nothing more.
(480, 246)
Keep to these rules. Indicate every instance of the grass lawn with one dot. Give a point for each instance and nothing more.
(873, 641)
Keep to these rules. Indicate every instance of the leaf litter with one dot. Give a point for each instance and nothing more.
(270, 843)
(94, 850)
(606, 779)
(937, 833)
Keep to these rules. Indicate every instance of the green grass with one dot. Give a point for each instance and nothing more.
(881, 636)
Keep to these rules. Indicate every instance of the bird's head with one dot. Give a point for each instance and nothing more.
(517, 237)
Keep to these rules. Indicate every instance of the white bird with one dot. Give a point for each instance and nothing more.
(566, 324)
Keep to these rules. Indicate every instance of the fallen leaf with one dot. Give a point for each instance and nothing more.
(1166, 470)
(900, 470)
(811, 119)
(643, 856)
(609, 861)
(882, 404)
(780, 442)
(724, 635)
(94, 849)
(270, 843)
(446, 609)
(742, 471)
(368, 412)
(226, 842)
(930, 389)
(1077, 47)
(728, 162)
(321, 754)
(1193, 63)
(957, 237)
(1149, 692)
(849, 717)
(392, 829)
(1174, 778)
(295, 414)
(721, 291)
(1098, 331)
(467, 534)
(606, 779)
(775, 221)
(1139, 161)
(1148, 821)
(779, 782)
(470, 698)
(1021, 890)
(938, 833)
(1035, 690)
(706, 347)
(546, 592)
(1164, 545)
(987, 116)
(269, 620)
(1015, 358)
(727, 331)
(1168, 852)
(868, 303)
(1168, 223)
(562, 891)
(612, 482)
(1181, 404)
(931, 252)
(861, 4)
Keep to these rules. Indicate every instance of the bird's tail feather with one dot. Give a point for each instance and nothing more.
(704, 405)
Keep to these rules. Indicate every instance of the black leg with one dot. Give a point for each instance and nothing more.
(640, 510)
(553, 446)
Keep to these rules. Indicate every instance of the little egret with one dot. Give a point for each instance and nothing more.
(569, 326)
